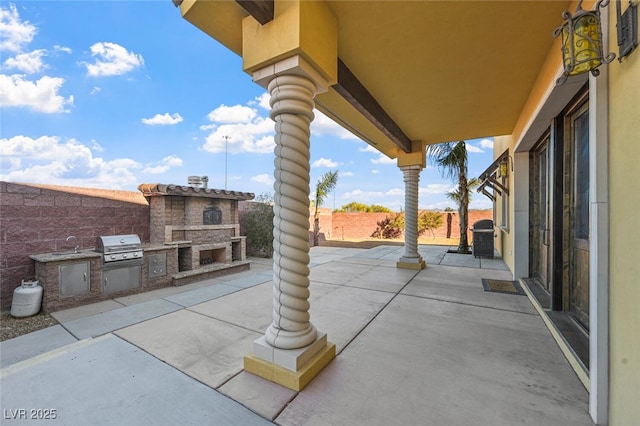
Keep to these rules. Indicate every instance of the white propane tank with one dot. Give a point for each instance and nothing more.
(27, 299)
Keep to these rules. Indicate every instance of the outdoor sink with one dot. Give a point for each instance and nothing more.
(69, 253)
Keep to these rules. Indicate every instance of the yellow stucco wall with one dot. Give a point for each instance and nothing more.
(505, 240)
(624, 268)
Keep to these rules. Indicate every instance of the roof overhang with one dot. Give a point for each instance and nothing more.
(430, 71)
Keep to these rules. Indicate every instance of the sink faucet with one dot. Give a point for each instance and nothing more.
(75, 249)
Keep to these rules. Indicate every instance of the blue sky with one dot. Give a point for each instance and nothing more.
(117, 93)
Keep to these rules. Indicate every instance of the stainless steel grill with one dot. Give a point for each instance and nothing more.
(117, 248)
(122, 259)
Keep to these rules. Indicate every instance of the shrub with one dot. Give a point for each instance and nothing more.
(257, 224)
(429, 221)
(390, 227)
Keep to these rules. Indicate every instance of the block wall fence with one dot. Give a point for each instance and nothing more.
(337, 226)
(38, 219)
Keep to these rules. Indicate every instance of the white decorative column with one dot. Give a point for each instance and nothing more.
(411, 259)
(292, 351)
(292, 110)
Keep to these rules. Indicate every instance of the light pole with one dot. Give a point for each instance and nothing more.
(226, 144)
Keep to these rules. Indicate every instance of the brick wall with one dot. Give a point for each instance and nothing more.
(38, 219)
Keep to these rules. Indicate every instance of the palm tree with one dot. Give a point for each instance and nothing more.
(451, 159)
(454, 195)
(325, 185)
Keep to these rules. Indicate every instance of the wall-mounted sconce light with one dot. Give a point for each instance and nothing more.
(582, 42)
(503, 167)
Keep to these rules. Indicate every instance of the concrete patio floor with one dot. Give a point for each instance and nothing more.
(426, 347)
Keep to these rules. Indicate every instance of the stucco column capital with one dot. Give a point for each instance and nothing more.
(294, 65)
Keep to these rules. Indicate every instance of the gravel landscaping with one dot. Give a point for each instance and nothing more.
(11, 326)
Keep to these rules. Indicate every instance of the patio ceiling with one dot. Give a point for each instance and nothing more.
(437, 70)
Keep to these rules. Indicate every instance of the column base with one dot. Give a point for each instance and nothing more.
(291, 368)
(411, 263)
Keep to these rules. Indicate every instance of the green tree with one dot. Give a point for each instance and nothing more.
(451, 159)
(375, 208)
(324, 186)
(257, 224)
(355, 206)
(454, 195)
(429, 221)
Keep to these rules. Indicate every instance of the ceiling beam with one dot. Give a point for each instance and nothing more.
(350, 88)
(262, 10)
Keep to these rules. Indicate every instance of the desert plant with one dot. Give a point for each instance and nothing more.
(257, 224)
(390, 227)
(429, 221)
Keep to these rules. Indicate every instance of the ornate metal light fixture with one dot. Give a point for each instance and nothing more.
(582, 42)
(503, 168)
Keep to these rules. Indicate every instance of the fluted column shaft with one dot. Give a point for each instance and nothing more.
(411, 180)
(292, 110)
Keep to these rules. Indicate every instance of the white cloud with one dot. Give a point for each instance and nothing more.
(163, 119)
(473, 149)
(249, 128)
(112, 59)
(264, 178)
(50, 160)
(239, 129)
(395, 192)
(40, 95)
(369, 148)
(375, 171)
(29, 63)
(383, 159)
(323, 125)
(164, 165)
(95, 90)
(435, 189)
(480, 202)
(324, 162)
(346, 174)
(486, 143)
(263, 101)
(95, 146)
(358, 194)
(14, 33)
(232, 114)
(64, 49)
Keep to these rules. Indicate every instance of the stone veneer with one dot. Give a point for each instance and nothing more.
(202, 223)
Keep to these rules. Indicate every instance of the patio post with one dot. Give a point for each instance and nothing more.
(291, 346)
(295, 57)
(411, 164)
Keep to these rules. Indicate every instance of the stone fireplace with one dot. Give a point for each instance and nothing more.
(202, 223)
